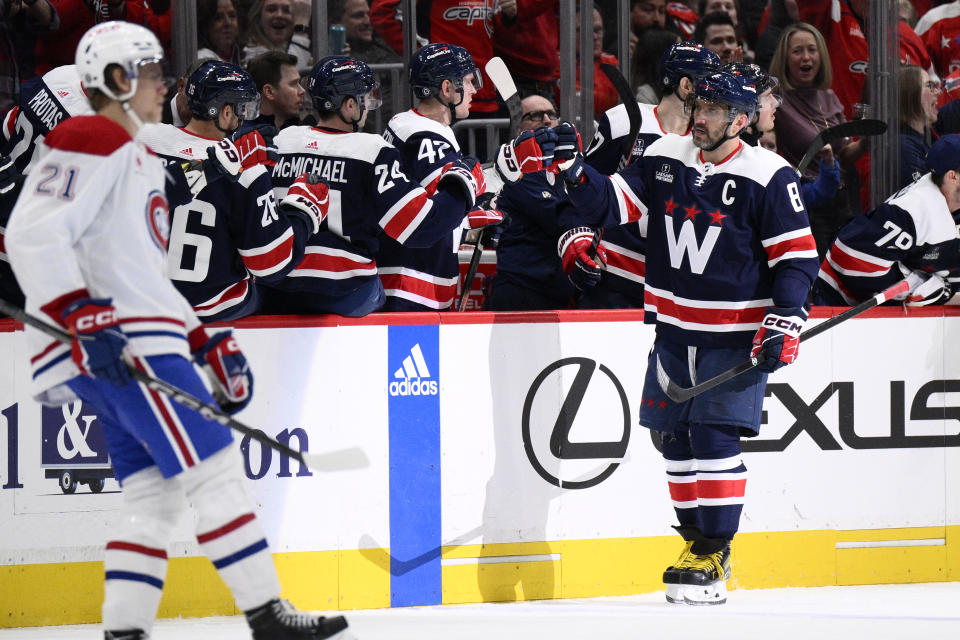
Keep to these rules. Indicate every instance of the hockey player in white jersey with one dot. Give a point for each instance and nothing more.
(621, 284)
(444, 79)
(730, 261)
(227, 229)
(369, 192)
(87, 241)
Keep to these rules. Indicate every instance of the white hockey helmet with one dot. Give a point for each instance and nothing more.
(123, 43)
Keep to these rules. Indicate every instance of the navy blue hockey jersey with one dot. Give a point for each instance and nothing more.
(44, 103)
(369, 192)
(912, 231)
(626, 264)
(426, 277)
(226, 236)
(724, 241)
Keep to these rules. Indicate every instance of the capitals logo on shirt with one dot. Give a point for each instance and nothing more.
(158, 219)
(471, 11)
(413, 376)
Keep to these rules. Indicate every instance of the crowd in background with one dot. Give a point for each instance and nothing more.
(816, 48)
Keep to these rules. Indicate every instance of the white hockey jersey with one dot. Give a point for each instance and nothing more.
(93, 221)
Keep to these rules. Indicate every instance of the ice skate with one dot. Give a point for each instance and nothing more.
(280, 620)
(130, 634)
(703, 579)
(671, 576)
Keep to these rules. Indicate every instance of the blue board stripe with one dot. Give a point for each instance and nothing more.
(414, 434)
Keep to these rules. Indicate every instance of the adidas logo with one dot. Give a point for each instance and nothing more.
(312, 145)
(187, 152)
(62, 93)
(411, 378)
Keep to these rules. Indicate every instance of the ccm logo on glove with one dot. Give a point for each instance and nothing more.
(790, 326)
(94, 320)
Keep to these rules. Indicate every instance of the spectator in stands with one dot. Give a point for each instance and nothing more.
(732, 9)
(281, 96)
(716, 32)
(218, 30)
(769, 140)
(280, 25)
(530, 47)
(529, 273)
(604, 93)
(939, 29)
(918, 113)
(645, 66)
(948, 118)
(58, 48)
(802, 64)
(365, 44)
(20, 23)
(645, 14)
(908, 13)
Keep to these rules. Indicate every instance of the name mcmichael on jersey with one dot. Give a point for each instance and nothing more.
(328, 170)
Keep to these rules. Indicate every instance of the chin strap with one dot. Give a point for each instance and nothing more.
(355, 124)
(128, 109)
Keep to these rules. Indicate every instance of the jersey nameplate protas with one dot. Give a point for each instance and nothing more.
(328, 170)
(45, 108)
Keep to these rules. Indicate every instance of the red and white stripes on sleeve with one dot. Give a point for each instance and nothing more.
(406, 215)
(798, 243)
(629, 206)
(270, 258)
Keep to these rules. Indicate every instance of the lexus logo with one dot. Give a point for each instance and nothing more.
(584, 463)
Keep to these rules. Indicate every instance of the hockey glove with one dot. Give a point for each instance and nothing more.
(256, 146)
(308, 196)
(220, 357)
(483, 226)
(777, 342)
(569, 154)
(466, 175)
(224, 159)
(934, 290)
(584, 258)
(98, 342)
(9, 175)
(530, 152)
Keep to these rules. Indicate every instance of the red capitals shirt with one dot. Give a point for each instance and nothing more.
(940, 31)
(849, 50)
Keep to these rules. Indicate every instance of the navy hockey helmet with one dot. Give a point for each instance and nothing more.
(737, 92)
(336, 78)
(687, 59)
(216, 83)
(752, 72)
(436, 62)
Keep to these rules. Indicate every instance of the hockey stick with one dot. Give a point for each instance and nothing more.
(681, 394)
(629, 101)
(854, 128)
(339, 460)
(500, 76)
(471, 274)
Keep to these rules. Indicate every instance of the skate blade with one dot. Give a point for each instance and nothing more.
(697, 595)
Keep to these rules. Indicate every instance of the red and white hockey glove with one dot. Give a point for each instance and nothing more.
(308, 196)
(225, 365)
(530, 152)
(936, 289)
(224, 158)
(483, 226)
(467, 174)
(584, 258)
(98, 342)
(777, 342)
(256, 146)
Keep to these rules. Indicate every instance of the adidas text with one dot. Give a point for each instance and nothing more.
(414, 387)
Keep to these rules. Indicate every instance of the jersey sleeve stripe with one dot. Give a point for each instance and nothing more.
(437, 292)
(335, 264)
(247, 176)
(429, 182)
(404, 217)
(270, 258)
(625, 263)
(10, 122)
(828, 275)
(856, 263)
(3, 246)
(630, 206)
(229, 297)
(798, 244)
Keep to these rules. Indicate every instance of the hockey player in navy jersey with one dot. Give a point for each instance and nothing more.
(730, 261)
(227, 232)
(529, 274)
(444, 79)
(913, 232)
(369, 193)
(44, 103)
(87, 241)
(620, 286)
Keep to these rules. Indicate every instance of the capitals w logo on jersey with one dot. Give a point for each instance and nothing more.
(686, 242)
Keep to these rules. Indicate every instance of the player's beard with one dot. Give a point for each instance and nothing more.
(707, 137)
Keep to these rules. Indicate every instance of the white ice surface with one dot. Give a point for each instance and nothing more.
(902, 612)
